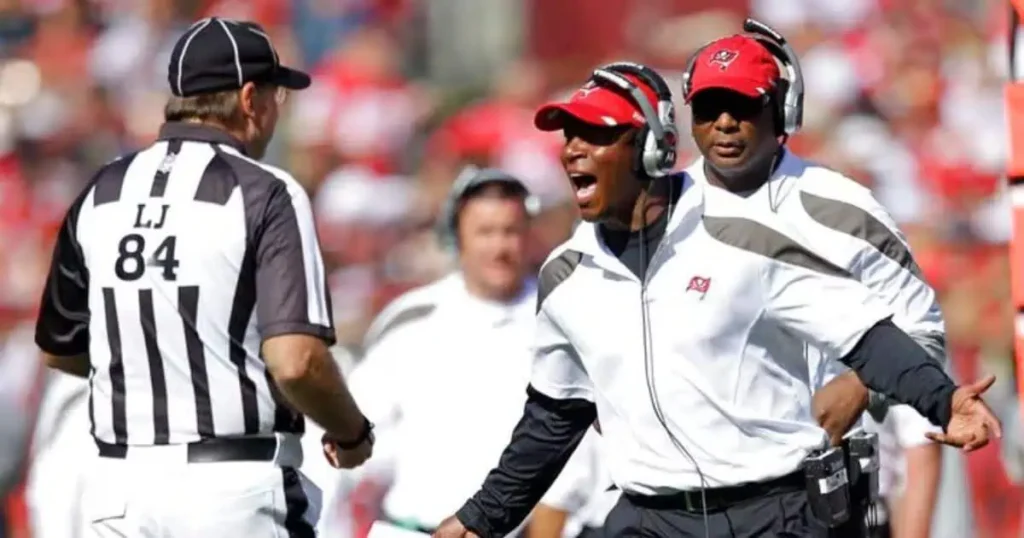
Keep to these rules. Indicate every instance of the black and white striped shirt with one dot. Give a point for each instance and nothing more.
(170, 269)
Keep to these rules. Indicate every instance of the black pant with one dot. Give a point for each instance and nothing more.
(777, 515)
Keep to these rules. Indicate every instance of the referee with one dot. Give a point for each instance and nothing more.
(187, 284)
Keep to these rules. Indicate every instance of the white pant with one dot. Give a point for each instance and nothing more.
(62, 452)
(157, 494)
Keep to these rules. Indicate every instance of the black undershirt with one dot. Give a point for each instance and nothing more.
(635, 249)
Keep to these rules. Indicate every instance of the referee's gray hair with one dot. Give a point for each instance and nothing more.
(220, 107)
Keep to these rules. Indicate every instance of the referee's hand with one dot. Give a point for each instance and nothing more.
(453, 528)
(340, 458)
(972, 424)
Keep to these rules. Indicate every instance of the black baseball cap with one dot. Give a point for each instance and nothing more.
(217, 54)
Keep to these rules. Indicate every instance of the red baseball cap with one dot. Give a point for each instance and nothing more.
(738, 63)
(596, 104)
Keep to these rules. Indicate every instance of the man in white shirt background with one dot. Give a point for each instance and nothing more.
(21, 372)
(48, 447)
(743, 112)
(470, 330)
(908, 483)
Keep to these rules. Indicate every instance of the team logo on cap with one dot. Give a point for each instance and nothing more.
(585, 90)
(723, 58)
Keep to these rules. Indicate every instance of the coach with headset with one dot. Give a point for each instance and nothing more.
(744, 110)
(676, 314)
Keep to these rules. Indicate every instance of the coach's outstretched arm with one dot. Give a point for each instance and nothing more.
(541, 444)
(886, 265)
(294, 312)
(559, 410)
(825, 306)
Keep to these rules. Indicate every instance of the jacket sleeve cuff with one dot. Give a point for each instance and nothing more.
(944, 407)
(474, 519)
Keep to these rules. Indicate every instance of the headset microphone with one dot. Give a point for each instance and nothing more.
(793, 103)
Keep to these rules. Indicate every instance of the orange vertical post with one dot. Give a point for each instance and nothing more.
(1014, 95)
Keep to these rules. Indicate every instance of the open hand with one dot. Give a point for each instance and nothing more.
(345, 459)
(839, 404)
(453, 528)
(972, 424)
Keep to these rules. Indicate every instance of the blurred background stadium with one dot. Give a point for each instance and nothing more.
(903, 95)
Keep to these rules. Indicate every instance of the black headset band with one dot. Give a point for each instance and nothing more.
(645, 74)
(613, 74)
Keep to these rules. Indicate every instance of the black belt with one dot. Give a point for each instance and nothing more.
(718, 498)
(212, 450)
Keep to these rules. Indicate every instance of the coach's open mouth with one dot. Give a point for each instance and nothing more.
(585, 186)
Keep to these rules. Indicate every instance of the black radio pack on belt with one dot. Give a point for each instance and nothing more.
(828, 486)
(862, 452)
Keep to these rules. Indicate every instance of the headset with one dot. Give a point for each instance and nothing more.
(470, 177)
(656, 141)
(788, 97)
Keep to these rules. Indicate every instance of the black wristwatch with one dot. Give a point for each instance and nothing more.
(366, 436)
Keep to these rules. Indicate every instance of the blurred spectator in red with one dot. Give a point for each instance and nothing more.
(360, 111)
(321, 25)
(129, 60)
(361, 217)
(497, 131)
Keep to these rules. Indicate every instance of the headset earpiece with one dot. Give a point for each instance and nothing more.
(447, 223)
(791, 96)
(778, 105)
(641, 141)
(657, 140)
(781, 87)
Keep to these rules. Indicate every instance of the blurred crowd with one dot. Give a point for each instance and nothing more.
(903, 95)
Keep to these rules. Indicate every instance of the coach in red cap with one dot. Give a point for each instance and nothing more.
(738, 63)
(737, 98)
(733, 92)
(601, 124)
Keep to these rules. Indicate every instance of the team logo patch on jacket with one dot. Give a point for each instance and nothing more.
(700, 285)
